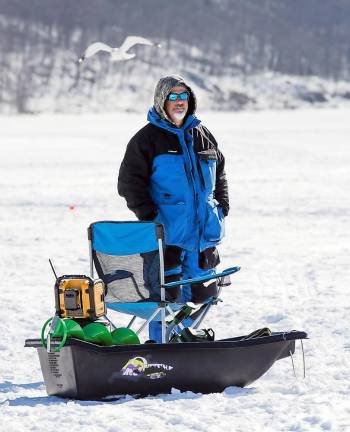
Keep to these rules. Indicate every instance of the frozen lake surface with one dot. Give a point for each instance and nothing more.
(289, 230)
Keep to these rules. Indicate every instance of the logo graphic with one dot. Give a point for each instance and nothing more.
(135, 366)
(138, 366)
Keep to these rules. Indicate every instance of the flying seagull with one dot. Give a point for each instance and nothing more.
(120, 53)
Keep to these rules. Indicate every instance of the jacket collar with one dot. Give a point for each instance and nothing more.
(153, 117)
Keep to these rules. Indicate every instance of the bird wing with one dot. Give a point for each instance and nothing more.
(96, 47)
(133, 40)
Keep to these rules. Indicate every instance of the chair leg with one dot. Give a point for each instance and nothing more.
(201, 317)
(163, 325)
(148, 321)
(131, 322)
(110, 322)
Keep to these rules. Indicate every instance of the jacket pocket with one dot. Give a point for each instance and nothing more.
(214, 229)
(174, 219)
(207, 167)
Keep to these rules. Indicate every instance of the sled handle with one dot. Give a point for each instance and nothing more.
(64, 338)
(226, 272)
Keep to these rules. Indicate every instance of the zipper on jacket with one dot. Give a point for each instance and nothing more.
(187, 174)
(190, 180)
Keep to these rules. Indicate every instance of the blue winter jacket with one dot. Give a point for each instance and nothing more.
(176, 176)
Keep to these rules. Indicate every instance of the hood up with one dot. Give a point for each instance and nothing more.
(162, 90)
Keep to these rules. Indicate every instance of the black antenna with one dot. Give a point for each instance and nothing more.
(52, 267)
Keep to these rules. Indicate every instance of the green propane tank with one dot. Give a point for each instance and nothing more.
(97, 333)
(124, 336)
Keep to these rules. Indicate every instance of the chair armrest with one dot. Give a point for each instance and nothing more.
(226, 272)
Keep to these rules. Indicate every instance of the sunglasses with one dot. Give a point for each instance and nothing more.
(175, 96)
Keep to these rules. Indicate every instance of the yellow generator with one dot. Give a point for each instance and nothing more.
(79, 296)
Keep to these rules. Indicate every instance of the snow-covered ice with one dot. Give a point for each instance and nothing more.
(289, 177)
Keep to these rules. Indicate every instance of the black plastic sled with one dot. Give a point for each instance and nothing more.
(83, 370)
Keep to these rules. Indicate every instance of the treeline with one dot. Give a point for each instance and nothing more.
(42, 39)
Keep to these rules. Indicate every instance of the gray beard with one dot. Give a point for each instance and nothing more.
(179, 116)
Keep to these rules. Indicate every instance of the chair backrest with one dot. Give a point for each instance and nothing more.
(119, 251)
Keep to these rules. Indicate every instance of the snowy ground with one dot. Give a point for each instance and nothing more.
(289, 182)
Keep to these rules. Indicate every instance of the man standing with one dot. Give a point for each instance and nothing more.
(173, 173)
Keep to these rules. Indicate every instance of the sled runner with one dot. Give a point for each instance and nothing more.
(188, 359)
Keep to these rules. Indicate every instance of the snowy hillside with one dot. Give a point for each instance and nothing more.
(289, 179)
(239, 54)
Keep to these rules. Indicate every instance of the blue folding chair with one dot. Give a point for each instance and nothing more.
(118, 252)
